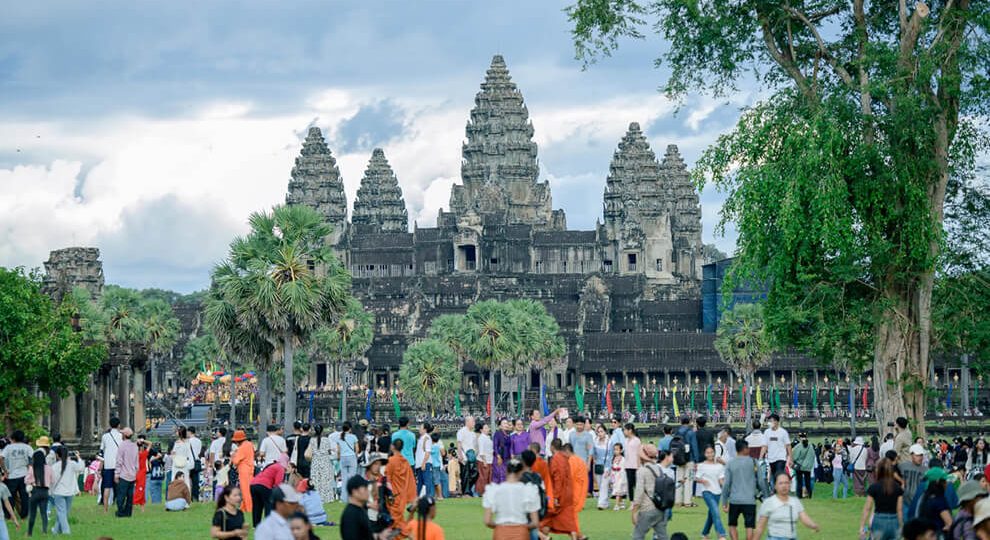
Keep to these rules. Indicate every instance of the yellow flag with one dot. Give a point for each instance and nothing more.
(251, 410)
(759, 398)
(677, 411)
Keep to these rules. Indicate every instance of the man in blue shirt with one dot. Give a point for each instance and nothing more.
(685, 473)
(664, 444)
(408, 439)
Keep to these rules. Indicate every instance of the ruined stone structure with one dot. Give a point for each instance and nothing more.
(626, 294)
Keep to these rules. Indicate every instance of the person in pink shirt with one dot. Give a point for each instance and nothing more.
(125, 474)
(630, 460)
(262, 485)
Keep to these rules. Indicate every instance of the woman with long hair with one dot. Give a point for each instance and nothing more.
(599, 455)
(934, 505)
(779, 515)
(711, 475)
(141, 480)
(978, 458)
(39, 477)
(228, 520)
(512, 507)
(65, 486)
(183, 458)
(421, 525)
(885, 501)
(321, 468)
(872, 457)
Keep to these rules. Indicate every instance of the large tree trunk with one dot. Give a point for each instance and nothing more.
(290, 383)
(265, 396)
(491, 396)
(233, 398)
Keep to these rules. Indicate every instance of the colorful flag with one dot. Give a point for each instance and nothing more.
(814, 397)
(759, 398)
(395, 405)
(708, 398)
(691, 395)
(831, 398)
(544, 404)
(725, 398)
(251, 410)
(457, 403)
(367, 405)
(604, 393)
(742, 400)
(488, 405)
(677, 411)
(656, 400)
(608, 398)
(852, 399)
(622, 400)
(866, 390)
(579, 397)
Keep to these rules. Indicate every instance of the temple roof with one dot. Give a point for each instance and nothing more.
(316, 180)
(379, 201)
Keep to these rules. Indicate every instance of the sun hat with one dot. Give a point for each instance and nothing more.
(285, 493)
(935, 474)
(858, 441)
(648, 451)
(43, 441)
(970, 490)
(377, 456)
(981, 512)
(918, 450)
(239, 436)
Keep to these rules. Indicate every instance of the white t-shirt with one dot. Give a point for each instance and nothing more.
(196, 444)
(565, 435)
(486, 450)
(859, 453)
(712, 473)
(782, 517)
(216, 447)
(65, 483)
(109, 444)
(511, 502)
(468, 440)
(423, 447)
(17, 457)
(730, 448)
(777, 443)
(272, 446)
(885, 446)
(756, 439)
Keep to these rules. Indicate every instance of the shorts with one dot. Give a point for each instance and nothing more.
(106, 481)
(747, 511)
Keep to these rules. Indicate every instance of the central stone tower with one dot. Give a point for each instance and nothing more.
(499, 168)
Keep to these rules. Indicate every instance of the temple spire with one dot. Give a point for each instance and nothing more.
(379, 204)
(316, 183)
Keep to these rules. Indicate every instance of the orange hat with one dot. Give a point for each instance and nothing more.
(239, 436)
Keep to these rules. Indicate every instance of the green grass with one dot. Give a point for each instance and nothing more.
(460, 518)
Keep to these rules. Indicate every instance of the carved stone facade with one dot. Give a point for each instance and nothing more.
(73, 267)
(637, 273)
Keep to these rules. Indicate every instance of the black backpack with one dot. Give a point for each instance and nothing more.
(537, 480)
(663, 490)
(678, 449)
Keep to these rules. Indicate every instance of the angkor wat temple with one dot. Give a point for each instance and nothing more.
(627, 294)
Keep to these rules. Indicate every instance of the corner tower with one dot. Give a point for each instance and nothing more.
(316, 183)
(685, 214)
(379, 205)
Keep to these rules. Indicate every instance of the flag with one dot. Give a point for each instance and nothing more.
(796, 405)
(544, 404)
(488, 404)
(251, 410)
(691, 394)
(708, 398)
(656, 400)
(367, 405)
(831, 397)
(579, 396)
(639, 403)
(866, 389)
(742, 400)
(622, 400)
(814, 397)
(457, 403)
(677, 411)
(948, 397)
(608, 398)
(759, 398)
(725, 398)
(395, 405)
(311, 395)
(604, 392)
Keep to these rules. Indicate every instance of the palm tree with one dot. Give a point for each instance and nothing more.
(742, 343)
(346, 340)
(429, 373)
(292, 282)
(490, 341)
(539, 336)
(162, 330)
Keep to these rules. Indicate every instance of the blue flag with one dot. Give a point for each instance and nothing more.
(543, 400)
(311, 394)
(367, 405)
(948, 397)
(796, 405)
(852, 399)
(604, 387)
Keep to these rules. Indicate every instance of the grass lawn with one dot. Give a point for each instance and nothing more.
(460, 518)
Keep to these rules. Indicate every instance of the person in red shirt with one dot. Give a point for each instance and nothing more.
(263, 484)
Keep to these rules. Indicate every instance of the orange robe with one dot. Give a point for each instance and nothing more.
(403, 485)
(243, 459)
(579, 481)
(541, 468)
(562, 519)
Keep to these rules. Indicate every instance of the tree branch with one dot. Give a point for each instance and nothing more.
(839, 70)
(784, 60)
(909, 36)
(865, 98)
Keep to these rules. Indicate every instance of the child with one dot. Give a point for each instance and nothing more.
(311, 503)
(221, 471)
(618, 477)
(453, 472)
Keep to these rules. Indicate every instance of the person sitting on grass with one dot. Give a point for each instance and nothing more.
(312, 503)
(178, 496)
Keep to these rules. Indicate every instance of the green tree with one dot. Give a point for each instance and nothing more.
(285, 282)
(837, 180)
(200, 353)
(429, 373)
(344, 341)
(743, 344)
(490, 341)
(39, 351)
(538, 336)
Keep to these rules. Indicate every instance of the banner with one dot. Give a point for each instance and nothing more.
(796, 405)
(251, 411)
(691, 394)
(759, 398)
(622, 400)
(708, 399)
(604, 392)
(579, 396)
(488, 404)
(656, 400)
(866, 390)
(742, 400)
(725, 398)
(639, 403)
(395, 405)
(544, 405)
(608, 398)
(677, 411)
(852, 399)
(367, 405)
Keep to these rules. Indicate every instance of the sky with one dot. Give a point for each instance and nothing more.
(151, 130)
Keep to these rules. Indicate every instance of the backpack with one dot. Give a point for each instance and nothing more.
(664, 487)
(678, 449)
(537, 480)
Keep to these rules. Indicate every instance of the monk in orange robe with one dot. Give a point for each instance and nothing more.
(243, 460)
(402, 482)
(541, 468)
(579, 482)
(562, 518)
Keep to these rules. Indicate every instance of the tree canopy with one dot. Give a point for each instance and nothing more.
(429, 374)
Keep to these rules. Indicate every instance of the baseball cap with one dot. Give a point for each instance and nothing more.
(917, 450)
(285, 493)
(355, 483)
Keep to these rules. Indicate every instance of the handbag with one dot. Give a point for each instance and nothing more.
(308, 454)
(599, 468)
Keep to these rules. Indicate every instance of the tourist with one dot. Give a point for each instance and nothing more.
(912, 471)
(705, 438)
(885, 500)
(228, 520)
(216, 450)
(177, 495)
(630, 460)
(486, 455)
(423, 526)
(377, 512)
(668, 435)
(934, 506)
(321, 468)
(873, 455)
(438, 456)
(721, 446)
(290, 440)
(424, 468)
(778, 447)
(512, 507)
(981, 519)
(579, 481)
(109, 444)
(402, 481)
(16, 459)
(183, 457)
(598, 459)
(299, 456)
(919, 529)
(531, 461)
(66, 472)
(384, 441)
(502, 444)
(408, 439)
(804, 464)
(561, 516)
(126, 473)
(645, 514)
(310, 502)
(757, 442)
(354, 522)
(196, 449)
(347, 453)
(583, 444)
(8, 508)
(902, 440)
(740, 490)
(156, 475)
(779, 514)
(242, 466)
(978, 458)
(537, 431)
(857, 457)
(840, 476)
(272, 446)
(39, 479)
(285, 502)
(617, 477)
(453, 471)
(682, 448)
(301, 527)
(520, 438)
(711, 474)
(141, 479)
(263, 484)
(970, 494)
(604, 487)
(466, 439)
(540, 468)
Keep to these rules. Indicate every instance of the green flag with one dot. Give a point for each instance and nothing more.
(831, 398)
(691, 392)
(708, 398)
(777, 397)
(639, 403)
(656, 400)
(395, 405)
(579, 397)
(457, 403)
(519, 405)
(814, 398)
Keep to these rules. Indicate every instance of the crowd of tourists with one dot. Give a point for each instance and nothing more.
(533, 476)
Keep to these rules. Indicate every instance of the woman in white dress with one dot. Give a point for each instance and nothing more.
(321, 468)
(182, 455)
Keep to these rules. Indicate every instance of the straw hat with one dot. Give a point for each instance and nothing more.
(43, 441)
